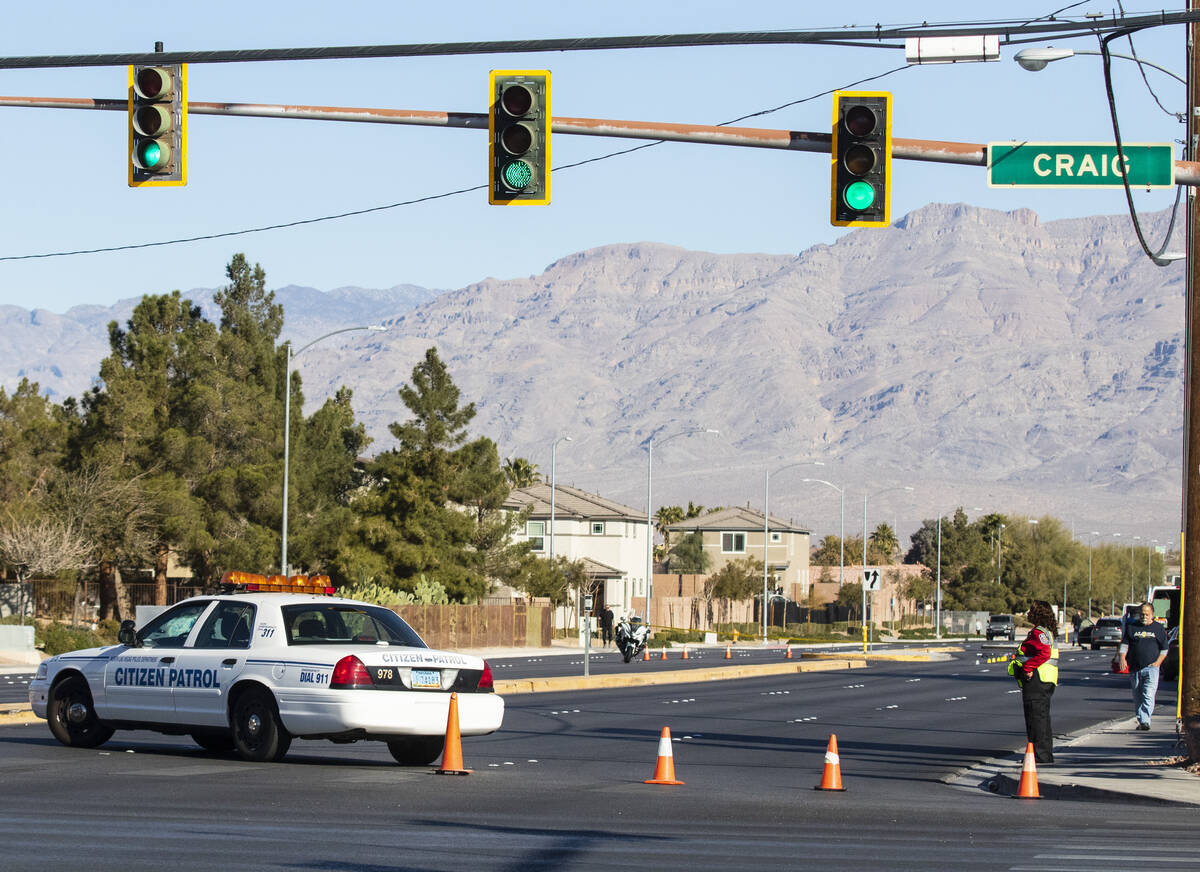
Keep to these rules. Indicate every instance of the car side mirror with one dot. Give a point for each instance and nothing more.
(127, 635)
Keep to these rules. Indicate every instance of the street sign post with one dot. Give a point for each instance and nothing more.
(1080, 165)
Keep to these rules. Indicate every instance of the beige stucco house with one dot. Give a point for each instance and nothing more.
(736, 533)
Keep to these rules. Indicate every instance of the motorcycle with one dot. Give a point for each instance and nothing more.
(631, 637)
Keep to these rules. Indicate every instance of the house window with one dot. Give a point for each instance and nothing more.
(776, 537)
(536, 533)
(597, 528)
(733, 543)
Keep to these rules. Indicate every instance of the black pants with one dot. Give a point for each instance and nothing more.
(1035, 697)
(606, 633)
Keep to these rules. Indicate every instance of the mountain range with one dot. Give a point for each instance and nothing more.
(984, 359)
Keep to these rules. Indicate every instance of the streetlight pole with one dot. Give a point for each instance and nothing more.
(1034, 59)
(1132, 595)
(864, 557)
(1091, 548)
(287, 430)
(841, 527)
(650, 512)
(767, 530)
(587, 635)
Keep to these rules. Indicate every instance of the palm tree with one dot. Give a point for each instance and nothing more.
(666, 516)
(520, 472)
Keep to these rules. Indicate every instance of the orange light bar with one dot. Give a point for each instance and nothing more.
(317, 584)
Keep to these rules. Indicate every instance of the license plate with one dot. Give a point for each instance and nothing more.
(427, 678)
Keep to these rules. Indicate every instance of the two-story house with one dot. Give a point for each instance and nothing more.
(736, 533)
(609, 537)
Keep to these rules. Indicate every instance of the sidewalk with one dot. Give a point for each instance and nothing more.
(1112, 761)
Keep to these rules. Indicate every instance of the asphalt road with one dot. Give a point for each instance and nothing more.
(560, 787)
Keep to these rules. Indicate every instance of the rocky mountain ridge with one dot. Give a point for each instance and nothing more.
(982, 358)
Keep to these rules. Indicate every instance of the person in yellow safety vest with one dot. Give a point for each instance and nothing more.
(1035, 666)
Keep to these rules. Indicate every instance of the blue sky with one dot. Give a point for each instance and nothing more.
(64, 171)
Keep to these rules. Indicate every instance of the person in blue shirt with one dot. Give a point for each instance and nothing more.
(1143, 649)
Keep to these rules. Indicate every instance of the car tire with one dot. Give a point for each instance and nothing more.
(258, 734)
(417, 750)
(216, 743)
(72, 714)
(1095, 646)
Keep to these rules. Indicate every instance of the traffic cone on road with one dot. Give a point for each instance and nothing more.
(645, 654)
(1028, 788)
(728, 652)
(831, 778)
(787, 655)
(664, 771)
(452, 761)
(664, 653)
(685, 654)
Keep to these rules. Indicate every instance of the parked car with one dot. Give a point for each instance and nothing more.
(1107, 631)
(1001, 626)
(1170, 666)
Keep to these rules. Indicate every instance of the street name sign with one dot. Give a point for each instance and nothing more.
(1080, 165)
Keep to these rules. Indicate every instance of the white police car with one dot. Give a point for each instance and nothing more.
(263, 662)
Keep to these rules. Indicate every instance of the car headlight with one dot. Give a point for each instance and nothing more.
(42, 671)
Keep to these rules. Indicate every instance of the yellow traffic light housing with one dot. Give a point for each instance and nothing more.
(861, 159)
(157, 125)
(519, 138)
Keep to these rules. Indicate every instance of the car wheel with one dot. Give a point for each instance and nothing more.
(1095, 646)
(217, 743)
(72, 715)
(416, 750)
(258, 734)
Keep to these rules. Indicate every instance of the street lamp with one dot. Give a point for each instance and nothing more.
(864, 557)
(628, 605)
(1131, 593)
(287, 429)
(1034, 59)
(1091, 548)
(841, 528)
(1154, 541)
(767, 530)
(553, 477)
(1000, 552)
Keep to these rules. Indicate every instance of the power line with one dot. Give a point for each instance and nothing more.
(1010, 31)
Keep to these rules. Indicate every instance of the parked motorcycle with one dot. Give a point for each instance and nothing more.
(631, 637)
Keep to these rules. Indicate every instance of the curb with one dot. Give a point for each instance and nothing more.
(17, 716)
(514, 686)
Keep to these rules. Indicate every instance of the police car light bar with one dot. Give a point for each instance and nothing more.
(252, 581)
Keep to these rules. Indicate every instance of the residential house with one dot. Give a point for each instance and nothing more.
(737, 533)
(610, 538)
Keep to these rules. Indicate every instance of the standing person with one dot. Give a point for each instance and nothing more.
(1143, 649)
(978, 627)
(606, 626)
(1035, 666)
(1077, 622)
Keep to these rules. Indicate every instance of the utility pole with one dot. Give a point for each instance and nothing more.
(1189, 653)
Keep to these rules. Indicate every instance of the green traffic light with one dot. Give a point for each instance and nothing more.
(859, 195)
(150, 154)
(517, 174)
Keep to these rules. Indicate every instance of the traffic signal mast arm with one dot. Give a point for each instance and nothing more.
(930, 150)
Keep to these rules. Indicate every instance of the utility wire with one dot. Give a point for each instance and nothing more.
(1155, 256)
(303, 221)
(1142, 69)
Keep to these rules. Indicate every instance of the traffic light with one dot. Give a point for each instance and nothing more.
(157, 125)
(519, 138)
(861, 159)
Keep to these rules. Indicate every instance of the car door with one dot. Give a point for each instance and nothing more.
(137, 681)
(207, 667)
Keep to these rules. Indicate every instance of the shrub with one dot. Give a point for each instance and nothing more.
(60, 638)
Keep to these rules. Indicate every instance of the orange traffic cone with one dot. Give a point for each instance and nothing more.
(645, 654)
(728, 652)
(1028, 788)
(664, 772)
(452, 761)
(831, 778)
(788, 653)
(664, 653)
(685, 654)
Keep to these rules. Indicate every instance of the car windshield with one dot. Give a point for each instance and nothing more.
(345, 624)
(1001, 619)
